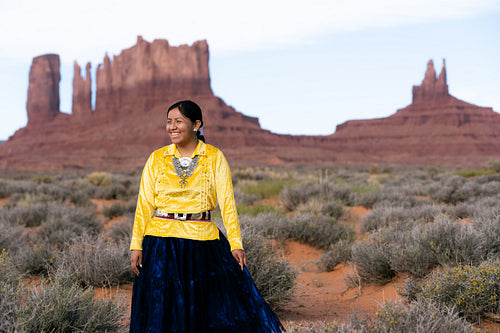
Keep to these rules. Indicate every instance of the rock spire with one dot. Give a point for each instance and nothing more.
(432, 88)
(42, 104)
(82, 92)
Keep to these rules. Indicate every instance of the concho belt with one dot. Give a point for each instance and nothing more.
(205, 216)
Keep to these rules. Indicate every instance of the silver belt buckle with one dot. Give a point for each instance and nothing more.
(180, 216)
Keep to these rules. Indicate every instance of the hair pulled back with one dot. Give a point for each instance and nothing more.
(192, 111)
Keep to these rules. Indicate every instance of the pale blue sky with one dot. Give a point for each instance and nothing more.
(301, 67)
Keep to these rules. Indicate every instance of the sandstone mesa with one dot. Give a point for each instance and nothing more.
(134, 89)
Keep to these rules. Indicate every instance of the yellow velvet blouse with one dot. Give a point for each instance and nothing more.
(161, 189)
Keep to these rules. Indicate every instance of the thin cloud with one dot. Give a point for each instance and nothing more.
(87, 31)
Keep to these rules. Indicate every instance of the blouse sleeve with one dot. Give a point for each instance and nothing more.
(225, 198)
(145, 204)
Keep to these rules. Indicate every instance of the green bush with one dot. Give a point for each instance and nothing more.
(469, 173)
(257, 209)
(265, 189)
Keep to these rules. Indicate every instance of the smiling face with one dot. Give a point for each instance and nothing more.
(181, 129)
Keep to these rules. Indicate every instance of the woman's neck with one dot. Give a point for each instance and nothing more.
(188, 149)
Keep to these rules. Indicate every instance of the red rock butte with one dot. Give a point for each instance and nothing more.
(135, 88)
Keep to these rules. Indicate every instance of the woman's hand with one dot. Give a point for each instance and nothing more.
(136, 261)
(240, 257)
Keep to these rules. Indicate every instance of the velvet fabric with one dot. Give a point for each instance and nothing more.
(198, 287)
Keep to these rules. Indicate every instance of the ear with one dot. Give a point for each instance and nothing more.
(197, 124)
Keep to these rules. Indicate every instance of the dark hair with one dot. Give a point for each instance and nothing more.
(192, 111)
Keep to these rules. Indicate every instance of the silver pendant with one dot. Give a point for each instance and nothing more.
(184, 162)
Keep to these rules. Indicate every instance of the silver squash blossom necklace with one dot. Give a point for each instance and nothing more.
(184, 168)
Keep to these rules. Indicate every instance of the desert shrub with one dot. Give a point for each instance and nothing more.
(10, 236)
(51, 192)
(60, 305)
(488, 236)
(394, 317)
(79, 197)
(409, 250)
(343, 193)
(257, 209)
(119, 209)
(11, 289)
(319, 232)
(271, 273)
(15, 189)
(383, 216)
(25, 214)
(97, 262)
(337, 253)
(63, 223)
(270, 224)
(121, 230)
(471, 290)
(111, 192)
(451, 242)
(457, 189)
(416, 248)
(99, 178)
(316, 231)
(367, 199)
(37, 259)
(249, 174)
(243, 198)
(333, 209)
(42, 179)
(485, 207)
(421, 316)
(321, 327)
(293, 196)
(371, 260)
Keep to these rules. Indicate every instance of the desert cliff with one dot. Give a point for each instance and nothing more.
(135, 88)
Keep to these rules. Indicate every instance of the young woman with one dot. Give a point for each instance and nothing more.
(189, 277)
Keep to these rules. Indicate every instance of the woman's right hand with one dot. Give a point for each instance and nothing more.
(136, 261)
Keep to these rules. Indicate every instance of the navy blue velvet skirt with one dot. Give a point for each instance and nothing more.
(196, 286)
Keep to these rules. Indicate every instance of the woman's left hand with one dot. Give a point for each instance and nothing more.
(240, 257)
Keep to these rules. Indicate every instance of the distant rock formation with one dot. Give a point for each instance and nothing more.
(82, 92)
(149, 73)
(432, 88)
(135, 88)
(436, 128)
(43, 91)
